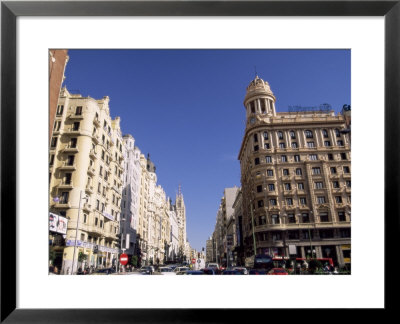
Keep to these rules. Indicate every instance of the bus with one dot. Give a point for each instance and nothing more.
(260, 261)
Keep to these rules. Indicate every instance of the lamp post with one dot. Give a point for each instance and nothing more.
(76, 231)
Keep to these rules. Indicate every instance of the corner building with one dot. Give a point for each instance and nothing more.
(86, 177)
(296, 181)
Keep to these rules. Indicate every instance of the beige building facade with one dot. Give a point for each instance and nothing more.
(86, 177)
(296, 180)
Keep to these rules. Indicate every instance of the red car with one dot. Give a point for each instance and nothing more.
(277, 271)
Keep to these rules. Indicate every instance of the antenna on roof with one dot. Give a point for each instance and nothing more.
(255, 71)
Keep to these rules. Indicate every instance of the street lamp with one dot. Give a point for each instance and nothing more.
(76, 231)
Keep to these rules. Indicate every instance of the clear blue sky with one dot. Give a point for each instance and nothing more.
(185, 108)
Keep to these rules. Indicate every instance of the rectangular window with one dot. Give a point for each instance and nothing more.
(313, 157)
(330, 157)
(97, 204)
(255, 138)
(259, 188)
(260, 203)
(60, 110)
(282, 145)
(338, 199)
(285, 172)
(102, 155)
(266, 146)
(270, 173)
(101, 224)
(316, 170)
(287, 186)
(291, 219)
(51, 159)
(255, 149)
(340, 143)
(345, 232)
(257, 161)
(53, 142)
(294, 145)
(70, 160)
(289, 201)
(275, 221)
(293, 235)
(78, 110)
(96, 221)
(300, 186)
(298, 171)
(333, 170)
(341, 216)
(262, 220)
(64, 197)
(303, 201)
(321, 200)
(271, 187)
(310, 144)
(335, 184)
(318, 185)
(327, 143)
(68, 178)
(348, 184)
(343, 156)
(73, 142)
(297, 158)
(265, 135)
(272, 202)
(324, 217)
(346, 169)
(268, 159)
(75, 126)
(305, 218)
(283, 158)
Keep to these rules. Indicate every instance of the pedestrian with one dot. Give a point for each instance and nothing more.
(55, 270)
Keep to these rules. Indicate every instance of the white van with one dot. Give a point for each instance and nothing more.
(213, 265)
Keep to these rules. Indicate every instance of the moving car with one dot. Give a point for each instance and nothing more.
(105, 271)
(258, 272)
(209, 271)
(147, 270)
(179, 269)
(243, 270)
(193, 272)
(231, 272)
(167, 271)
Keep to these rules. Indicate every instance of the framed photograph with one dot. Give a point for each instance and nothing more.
(369, 29)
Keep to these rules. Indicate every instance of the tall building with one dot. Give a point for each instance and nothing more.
(58, 59)
(181, 216)
(296, 180)
(209, 250)
(86, 177)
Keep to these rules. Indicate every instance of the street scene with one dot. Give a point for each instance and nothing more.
(199, 162)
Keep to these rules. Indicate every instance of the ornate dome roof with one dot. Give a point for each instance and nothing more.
(258, 87)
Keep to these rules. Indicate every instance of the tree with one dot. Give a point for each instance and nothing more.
(314, 265)
(134, 260)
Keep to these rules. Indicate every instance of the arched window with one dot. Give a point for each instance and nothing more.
(292, 134)
(262, 103)
(280, 135)
(325, 133)
(308, 133)
(255, 138)
(252, 107)
(265, 135)
(337, 132)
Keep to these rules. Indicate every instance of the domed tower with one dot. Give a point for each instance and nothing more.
(259, 100)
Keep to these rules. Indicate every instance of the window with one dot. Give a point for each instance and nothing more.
(102, 155)
(325, 133)
(60, 110)
(262, 220)
(327, 143)
(318, 185)
(294, 145)
(330, 157)
(308, 133)
(285, 172)
(338, 199)
(96, 221)
(84, 218)
(346, 169)
(333, 170)
(98, 204)
(313, 157)
(255, 148)
(321, 200)
(78, 110)
(342, 216)
(292, 135)
(262, 104)
(291, 218)
(305, 218)
(257, 161)
(259, 189)
(323, 217)
(73, 142)
(64, 197)
(53, 142)
(272, 202)
(268, 159)
(265, 135)
(270, 173)
(310, 144)
(275, 219)
(298, 171)
(293, 235)
(266, 146)
(51, 159)
(260, 203)
(104, 191)
(101, 224)
(289, 201)
(348, 184)
(340, 143)
(345, 232)
(337, 132)
(99, 188)
(282, 145)
(271, 187)
(75, 126)
(343, 156)
(255, 138)
(57, 126)
(103, 138)
(303, 201)
(68, 178)
(276, 236)
(300, 186)
(326, 234)
(252, 107)
(287, 186)
(316, 170)
(280, 135)
(297, 158)
(101, 170)
(70, 160)
(283, 158)
(335, 184)
(306, 234)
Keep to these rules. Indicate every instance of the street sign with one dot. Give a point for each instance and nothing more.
(193, 261)
(123, 259)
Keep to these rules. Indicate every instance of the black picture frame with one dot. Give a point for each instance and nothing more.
(10, 10)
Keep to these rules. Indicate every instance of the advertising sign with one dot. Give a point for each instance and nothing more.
(58, 224)
(107, 215)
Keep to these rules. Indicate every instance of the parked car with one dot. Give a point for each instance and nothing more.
(243, 270)
(258, 272)
(179, 269)
(147, 270)
(209, 271)
(212, 265)
(277, 271)
(166, 271)
(193, 272)
(231, 272)
(105, 271)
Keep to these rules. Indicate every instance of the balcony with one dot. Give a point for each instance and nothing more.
(70, 149)
(67, 167)
(96, 138)
(74, 116)
(72, 131)
(89, 189)
(91, 171)
(92, 154)
(87, 207)
(65, 185)
(303, 207)
(62, 205)
(96, 122)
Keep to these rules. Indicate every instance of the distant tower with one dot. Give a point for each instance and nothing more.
(181, 215)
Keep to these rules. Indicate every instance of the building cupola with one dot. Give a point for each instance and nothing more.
(259, 99)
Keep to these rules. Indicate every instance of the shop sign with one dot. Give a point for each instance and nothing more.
(346, 247)
(58, 223)
(107, 215)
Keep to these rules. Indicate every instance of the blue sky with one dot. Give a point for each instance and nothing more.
(185, 108)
